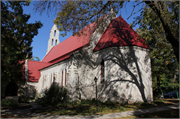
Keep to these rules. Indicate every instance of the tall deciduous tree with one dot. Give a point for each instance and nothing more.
(164, 62)
(168, 14)
(16, 39)
(74, 15)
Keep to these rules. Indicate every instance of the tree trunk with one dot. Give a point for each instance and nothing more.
(159, 86)
(160, 8)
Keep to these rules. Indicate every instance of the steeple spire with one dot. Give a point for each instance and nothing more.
(53, 39)
(111, 7)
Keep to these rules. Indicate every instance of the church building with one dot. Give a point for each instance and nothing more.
(115, 55)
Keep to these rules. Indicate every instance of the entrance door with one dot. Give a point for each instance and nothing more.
(11, 89)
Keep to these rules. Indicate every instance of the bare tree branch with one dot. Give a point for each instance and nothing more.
(134, 6)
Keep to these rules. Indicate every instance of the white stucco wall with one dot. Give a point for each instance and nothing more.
(127, 74)
(53, 70)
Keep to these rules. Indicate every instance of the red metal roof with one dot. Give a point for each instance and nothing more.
(119, 33)
(69, 45)
(60, 52)
(33, 70)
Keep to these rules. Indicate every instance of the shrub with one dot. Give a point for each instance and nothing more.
(37, 97)
(55, 95)
(23, 99)
(88, 101)
(9, 102)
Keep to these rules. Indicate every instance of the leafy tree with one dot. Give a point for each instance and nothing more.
(164, 63)
(74, 15)
(16, 38)
(167, 84)
(167, 13)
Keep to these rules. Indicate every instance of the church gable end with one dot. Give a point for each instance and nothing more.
(122, 73)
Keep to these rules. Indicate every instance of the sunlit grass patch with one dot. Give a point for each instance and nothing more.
(88, 107)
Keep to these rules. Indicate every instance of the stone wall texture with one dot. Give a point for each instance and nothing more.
(127, 74)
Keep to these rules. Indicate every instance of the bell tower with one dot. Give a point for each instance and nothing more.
(53, 39)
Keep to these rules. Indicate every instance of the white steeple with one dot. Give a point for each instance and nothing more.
(53, 39)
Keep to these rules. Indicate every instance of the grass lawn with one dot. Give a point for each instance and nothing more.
(89, 107)
(174, 113)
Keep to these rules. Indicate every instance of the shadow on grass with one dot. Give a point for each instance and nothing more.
(174, 113)
(88, 107)
(68, 110)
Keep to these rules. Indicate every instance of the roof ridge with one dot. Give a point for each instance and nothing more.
(119, 33)
(47, 54)
(69, 39)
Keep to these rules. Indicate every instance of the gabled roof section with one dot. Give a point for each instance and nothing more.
(69, 45)
(33, 70)
(119, 33)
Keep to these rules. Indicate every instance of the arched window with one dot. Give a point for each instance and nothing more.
(54, 32)
(52, 42)
(102, 71)
(56, 42)
(65, 75)
(11, 89)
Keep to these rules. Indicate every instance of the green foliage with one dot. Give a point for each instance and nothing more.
(9, 102)
(23, 99)
(167, 84)
(55, 95)
(88, 107)
(37, 97)
(88, 101)
(34, 58)
(75, 15)
(163, 60)
(156, 28)
(162, 17)
(16, 38)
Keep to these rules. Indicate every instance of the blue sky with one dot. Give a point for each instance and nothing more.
(40, 41)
